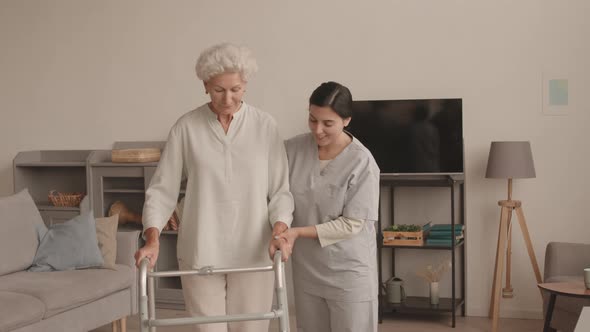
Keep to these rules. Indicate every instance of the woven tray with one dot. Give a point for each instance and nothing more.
(144, 155)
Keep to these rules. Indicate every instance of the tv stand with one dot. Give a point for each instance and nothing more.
(453, 181)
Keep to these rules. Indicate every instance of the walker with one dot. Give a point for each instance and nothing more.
(147, 310)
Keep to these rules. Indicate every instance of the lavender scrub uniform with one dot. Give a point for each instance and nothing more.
(335, 286)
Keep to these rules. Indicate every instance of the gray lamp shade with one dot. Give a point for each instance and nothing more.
(510, 160)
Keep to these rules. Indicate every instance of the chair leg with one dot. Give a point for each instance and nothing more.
(120, 325)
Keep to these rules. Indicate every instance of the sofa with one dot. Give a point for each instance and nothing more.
(565, 262)
(70, 300)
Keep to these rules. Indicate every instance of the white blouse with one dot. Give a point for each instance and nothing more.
(237, 187)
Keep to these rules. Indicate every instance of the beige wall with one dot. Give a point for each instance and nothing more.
(83, 74)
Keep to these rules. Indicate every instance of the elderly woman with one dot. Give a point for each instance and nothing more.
(335, 184)
(237, 193)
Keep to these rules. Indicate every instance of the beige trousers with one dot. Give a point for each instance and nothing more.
(229, 294)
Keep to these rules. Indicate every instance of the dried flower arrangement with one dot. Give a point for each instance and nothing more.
(434, 273)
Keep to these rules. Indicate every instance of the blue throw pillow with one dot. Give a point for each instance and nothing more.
(68, 246)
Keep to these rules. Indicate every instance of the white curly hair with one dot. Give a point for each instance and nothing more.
(225, 58)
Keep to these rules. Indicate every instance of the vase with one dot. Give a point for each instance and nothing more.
(434, 292)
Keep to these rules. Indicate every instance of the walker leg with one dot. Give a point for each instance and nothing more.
(151, 302)
(143, 296)
(281, 292)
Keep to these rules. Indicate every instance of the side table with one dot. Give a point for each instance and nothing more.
(571, 289)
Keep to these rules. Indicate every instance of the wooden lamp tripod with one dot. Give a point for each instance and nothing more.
(508, 160)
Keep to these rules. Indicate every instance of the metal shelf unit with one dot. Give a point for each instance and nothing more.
(422, 304)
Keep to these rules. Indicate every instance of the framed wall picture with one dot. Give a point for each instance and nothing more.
(556, 93)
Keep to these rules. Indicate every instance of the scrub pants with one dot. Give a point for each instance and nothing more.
(316, 314)
(229, 294)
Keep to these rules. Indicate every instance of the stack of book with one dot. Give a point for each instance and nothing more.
(442, 234)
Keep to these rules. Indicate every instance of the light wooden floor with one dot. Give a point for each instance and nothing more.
(405, 323)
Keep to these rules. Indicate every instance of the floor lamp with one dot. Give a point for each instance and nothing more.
(509, 160)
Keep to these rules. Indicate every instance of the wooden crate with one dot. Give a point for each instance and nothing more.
(403, 238)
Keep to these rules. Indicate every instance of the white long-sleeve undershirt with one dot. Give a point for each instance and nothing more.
(339, 229)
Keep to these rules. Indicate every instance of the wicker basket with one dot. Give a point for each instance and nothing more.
(65, 199)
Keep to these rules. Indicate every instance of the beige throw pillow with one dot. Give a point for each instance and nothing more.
(106, 234)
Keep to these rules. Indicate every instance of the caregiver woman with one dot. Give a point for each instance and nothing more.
(335, 184)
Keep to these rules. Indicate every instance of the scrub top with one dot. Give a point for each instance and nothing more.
(348, 186)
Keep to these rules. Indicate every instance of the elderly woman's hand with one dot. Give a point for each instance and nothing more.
(284, 242)
(149, 251)
(279, 244)
(151, 248)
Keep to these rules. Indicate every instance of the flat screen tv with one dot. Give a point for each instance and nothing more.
(411, 136)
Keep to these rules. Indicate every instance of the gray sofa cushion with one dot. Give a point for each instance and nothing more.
(20, 223)
(63, 290)
(69, 245)
(18, 310)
